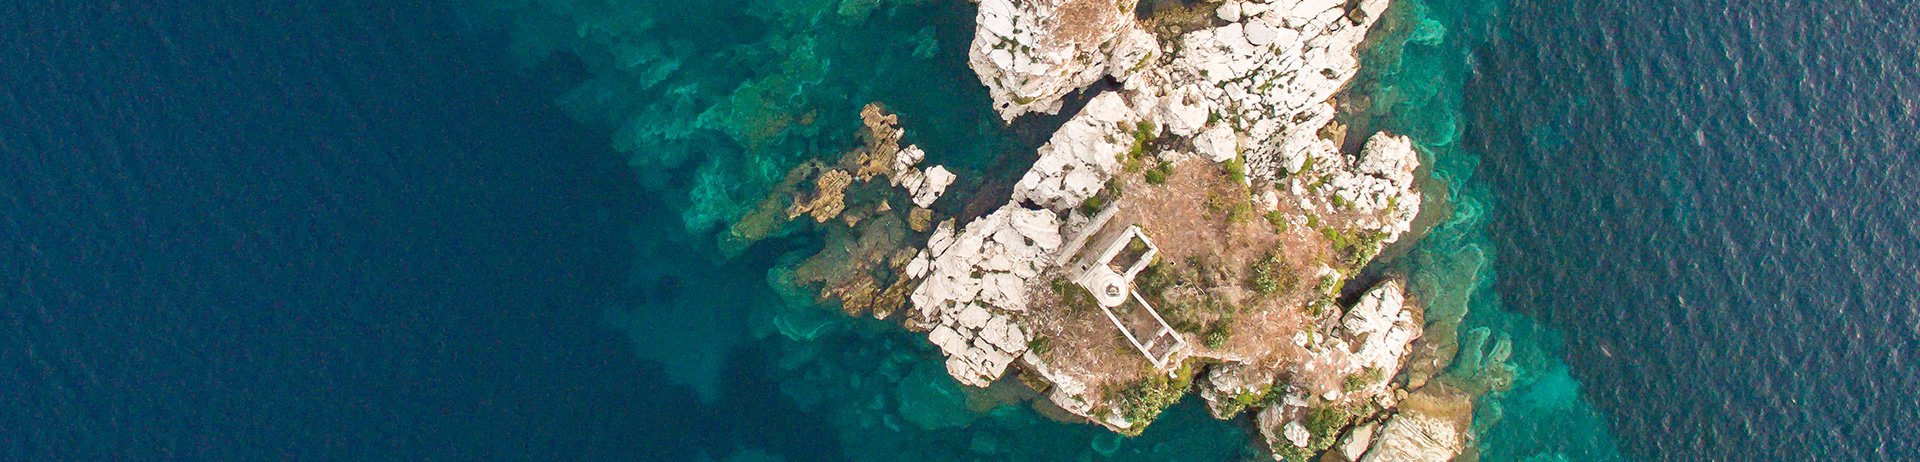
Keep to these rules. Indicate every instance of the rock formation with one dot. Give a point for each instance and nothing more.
(1079, 159)
(1378, 185)
(974, 281)
(1249, 87)
(1032, 53)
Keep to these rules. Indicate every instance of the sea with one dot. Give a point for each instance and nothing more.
(497, 230)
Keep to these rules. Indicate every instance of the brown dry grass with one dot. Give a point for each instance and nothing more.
(1087, 22)
(1086, 344)
(1175, 216)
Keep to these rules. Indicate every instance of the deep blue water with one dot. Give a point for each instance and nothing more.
(318, 231)
(368, 230)
(1716, 203)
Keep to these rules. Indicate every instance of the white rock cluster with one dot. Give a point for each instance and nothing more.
(1068, 391)
(1265, 78)
(975, 280)
(1258, 86)
(1077, 161)
(925, 186)
(1031, 53)
(1379, 331)
(1380, 184)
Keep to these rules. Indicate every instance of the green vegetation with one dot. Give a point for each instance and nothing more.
(1196, 311)
(1270, 275)
(1329, 285)
(1160, 172)
(1241, 211)
(1217, 335)
(1355, 250)
(1154, 281)
(1356, 382)
(1144, 133)
(1206, 315)
(1071, 296)
(1136, 247)
(1098, 202)
(1319, 182)
(1237, 170)
(1323, 427)
(1246, 400)
(1237, 209)
(1319, 306)
(1279, 221)
(1142, 401)
(1040, 345)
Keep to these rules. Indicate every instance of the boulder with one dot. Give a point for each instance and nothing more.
(936, 181)
(1412, 436)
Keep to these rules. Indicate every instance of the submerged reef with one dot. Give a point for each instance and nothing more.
(713, 118)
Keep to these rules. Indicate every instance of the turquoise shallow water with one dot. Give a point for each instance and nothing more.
(1412, 82)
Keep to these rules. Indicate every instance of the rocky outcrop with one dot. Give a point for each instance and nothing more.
(1253, 82)
(1416, 437)
(1369, 345)
(1431, 426)
(826, 200)
(975, 281)
(923, 186)
(1063, 389)
(1378, 185)
(1378, 332)
(1077, 161)
(1267, 75)
(1031, 53)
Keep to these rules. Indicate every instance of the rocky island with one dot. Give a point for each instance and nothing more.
(1191, 228)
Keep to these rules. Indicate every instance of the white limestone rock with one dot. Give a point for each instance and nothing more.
(1031, 53)
(974, 282)
(1068, 392)
(1355, 444)
(1077, 161)
(1413, 436)
(923, 186)
(1218, 143)
(1275, 67)
(936, 181)
(1229, 11)
(1296, 434)
(1379, 184)
(1379, 330)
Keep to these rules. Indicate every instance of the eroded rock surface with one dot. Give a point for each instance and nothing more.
(1267, 76)
(1079, 159)
(975, 280)
(1032, 53)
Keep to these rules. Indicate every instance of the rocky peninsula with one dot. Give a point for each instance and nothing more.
(1192, 228)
